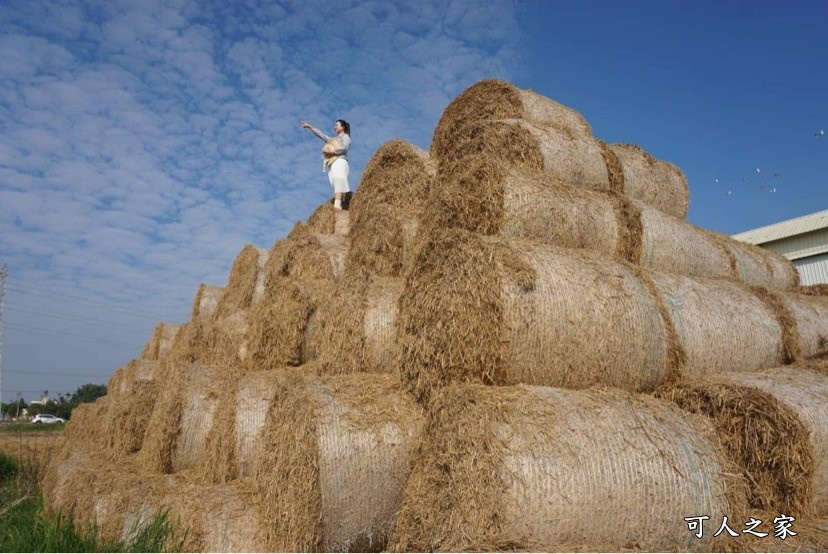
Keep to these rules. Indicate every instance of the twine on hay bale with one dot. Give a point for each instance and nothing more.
(493, 99)
(501, 312)
(399, 175)
(721, 324)
(241, 284)
(654, 182)
(542, 469)
(366, 344)
(774, 424)
(332, 461)
(810, 315)
(161, 341)
(206, 302)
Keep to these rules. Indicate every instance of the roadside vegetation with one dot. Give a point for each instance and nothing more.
(25, 527)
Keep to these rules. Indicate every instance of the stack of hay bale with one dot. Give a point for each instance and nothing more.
(512, 342)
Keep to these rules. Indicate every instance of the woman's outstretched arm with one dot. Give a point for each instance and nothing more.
(315, 131)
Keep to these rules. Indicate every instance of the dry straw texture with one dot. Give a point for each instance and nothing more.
(493, 99)
(533, 468)
(354, 330)
(502, 312)
(332, 461)
(810, 314)
(161, 341)
(657, 183)
(132, 399)
(757, 266)
(241, 284)
(398, 175)
(220, 342)
(721, 324)
(88, 423)
(811, 290)
(379, 240)
(775, 425)
(206, 302)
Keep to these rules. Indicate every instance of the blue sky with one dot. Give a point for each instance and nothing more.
(142, 144)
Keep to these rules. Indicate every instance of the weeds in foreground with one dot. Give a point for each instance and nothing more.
(24, 526)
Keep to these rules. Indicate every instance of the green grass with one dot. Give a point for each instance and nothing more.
(25, 528)
(32, 428)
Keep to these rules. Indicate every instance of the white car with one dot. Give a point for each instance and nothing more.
(47, 418)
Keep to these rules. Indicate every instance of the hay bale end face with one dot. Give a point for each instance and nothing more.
(206, 302)
(333, 459)
(542, 469)
(161, 341)
(493, 99)
(504, 312)
(774, 424)
(399, 175)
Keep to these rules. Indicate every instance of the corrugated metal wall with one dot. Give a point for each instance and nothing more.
(801, 246)
(813, 270)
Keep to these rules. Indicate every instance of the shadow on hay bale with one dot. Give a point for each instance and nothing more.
(542, 469)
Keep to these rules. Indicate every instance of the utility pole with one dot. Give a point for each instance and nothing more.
(4, 273)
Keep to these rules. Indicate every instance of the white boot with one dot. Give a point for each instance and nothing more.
(337, 204)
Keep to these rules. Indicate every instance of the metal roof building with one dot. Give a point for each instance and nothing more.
(803, 240)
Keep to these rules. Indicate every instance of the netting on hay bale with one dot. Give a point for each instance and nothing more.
(246, 273)
(653, 182)
(480, 194)
(721, 325)
(161, 341)
(355, 329)
(501, 312)
(183, 416)
(543, 469)
(810, 314)
(206, 302)
(756, 265)
(332, 460)
(493, 99)
(774, 424)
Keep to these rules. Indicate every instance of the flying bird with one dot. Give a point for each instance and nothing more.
(773, 189)
(717, 180)
(729, 192)
(757, 170)
(820, 133)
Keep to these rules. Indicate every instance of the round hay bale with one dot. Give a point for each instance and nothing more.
(307, 257)
(332, 461)
(673, 246)
(757, 266)
(323, 219)
(206, 302)
(378, 240)
(493, 99)
(504, 312)
(479, 194)
(161, 341)
(221, 342)
(241, 284)
(656, 183)
(774, 424)
(87, 423)
(124, 379)
(542, 469)
(367, 344)
(811, 290)
(278, 323)
(721, 325)
(398, 175)
(811, 536)
(810, 313)
(129, 416)
(219, 518)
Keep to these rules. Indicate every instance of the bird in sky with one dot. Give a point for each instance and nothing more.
(757, 170)
(729, 192)
(773, 189)
(717, 180)
(820, 133)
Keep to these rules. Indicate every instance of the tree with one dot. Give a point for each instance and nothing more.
(87, 393)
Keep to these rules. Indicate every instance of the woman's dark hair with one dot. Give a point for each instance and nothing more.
(345, 125)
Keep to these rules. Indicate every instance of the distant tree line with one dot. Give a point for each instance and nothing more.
(61, 407)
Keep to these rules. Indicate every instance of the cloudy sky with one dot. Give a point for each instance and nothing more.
(144, 143)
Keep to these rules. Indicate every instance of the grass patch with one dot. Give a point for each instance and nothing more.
(32, 428)
(25, 528)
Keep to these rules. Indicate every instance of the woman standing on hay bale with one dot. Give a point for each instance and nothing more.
(335, 153)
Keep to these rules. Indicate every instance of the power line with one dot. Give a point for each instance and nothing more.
(17, 308)
(21, 288)
(63, 334)
(54, 374)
